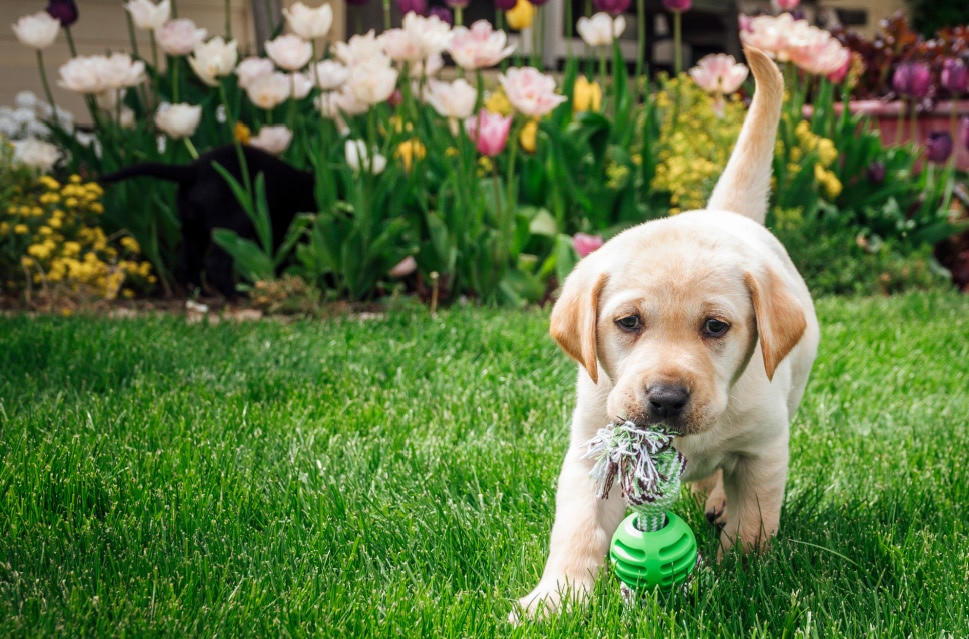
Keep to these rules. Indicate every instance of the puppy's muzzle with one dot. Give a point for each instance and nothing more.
(665, 402)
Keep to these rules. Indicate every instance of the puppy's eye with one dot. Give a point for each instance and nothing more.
(715, 328)
(628, 323)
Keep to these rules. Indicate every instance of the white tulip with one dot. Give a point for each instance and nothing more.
(213, 59)
(330, 74)
(300, 85)
(309, 23)
(147, 15)
(178, 120)
(601, 29)
(272, 139)
(251, 68)
(267, 92)
(119, 71)
(83, 74)
(359, 159)
(179, 37)
(289, 52)
(452, 99)
(38, 30)
(372, 83)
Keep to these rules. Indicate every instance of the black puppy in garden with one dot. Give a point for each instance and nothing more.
(206, 202)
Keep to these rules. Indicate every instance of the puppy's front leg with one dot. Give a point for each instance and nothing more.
(755, 494)
(583, 529)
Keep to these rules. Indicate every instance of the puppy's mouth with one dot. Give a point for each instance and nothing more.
(678, 425)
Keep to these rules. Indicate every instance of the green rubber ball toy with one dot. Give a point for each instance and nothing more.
(663, 558)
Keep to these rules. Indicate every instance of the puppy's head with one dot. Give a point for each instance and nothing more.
(673, 317)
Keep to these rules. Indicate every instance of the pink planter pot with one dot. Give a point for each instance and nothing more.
(885, 116)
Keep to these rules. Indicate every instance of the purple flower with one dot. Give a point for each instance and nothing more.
(457, 4)
(615, 7)
(938, 146)
(965, 131)
(443, 13)
(506, 5)
(876, 172)
(912, 79)
(63, 10)
(417, 6)
(955, 75)
(678, 5)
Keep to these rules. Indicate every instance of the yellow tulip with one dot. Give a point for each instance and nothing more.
(521, 15)
(586, 96)
(242, 133)
(528, 135)
(410, 150)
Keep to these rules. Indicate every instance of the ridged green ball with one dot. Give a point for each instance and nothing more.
(645, 560)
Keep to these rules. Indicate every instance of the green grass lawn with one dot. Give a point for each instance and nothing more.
(395, 478)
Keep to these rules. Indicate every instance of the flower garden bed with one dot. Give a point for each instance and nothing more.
(466, 188)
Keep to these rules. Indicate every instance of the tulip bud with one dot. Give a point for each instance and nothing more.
(955, 75)
(876, 172)
(64, 10)
(912, 79)
(938, 146)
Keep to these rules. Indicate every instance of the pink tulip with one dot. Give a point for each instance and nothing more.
(489, 132)
(786, 5)
(530, 91)
(719, 73)
(480, 46)
(585, 243)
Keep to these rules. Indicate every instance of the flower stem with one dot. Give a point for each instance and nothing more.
(50, 96)
(228, 19)
(70, 41)
(640, 43)
(191, 148)
(174, 62)
(677, 42)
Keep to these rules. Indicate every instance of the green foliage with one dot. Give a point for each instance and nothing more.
(838, 259)
(930, 16)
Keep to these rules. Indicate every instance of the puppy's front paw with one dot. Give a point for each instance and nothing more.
(549, 598)
(711, 492)
(716, 509)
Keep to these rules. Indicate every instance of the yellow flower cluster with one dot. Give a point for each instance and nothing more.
(49, 233)
(694, 142)
(826, 152)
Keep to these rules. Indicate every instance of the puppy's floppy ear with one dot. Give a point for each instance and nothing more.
(780, 318)
(573, 322)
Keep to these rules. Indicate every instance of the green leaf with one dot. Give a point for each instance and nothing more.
(251, 262)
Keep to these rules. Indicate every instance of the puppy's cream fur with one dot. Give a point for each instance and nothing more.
(644, 316)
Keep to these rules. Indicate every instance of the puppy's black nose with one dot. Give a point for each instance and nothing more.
(666, 401)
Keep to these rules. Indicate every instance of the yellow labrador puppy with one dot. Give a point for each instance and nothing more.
(698, 321)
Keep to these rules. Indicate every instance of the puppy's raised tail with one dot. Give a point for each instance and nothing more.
(744, 186)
